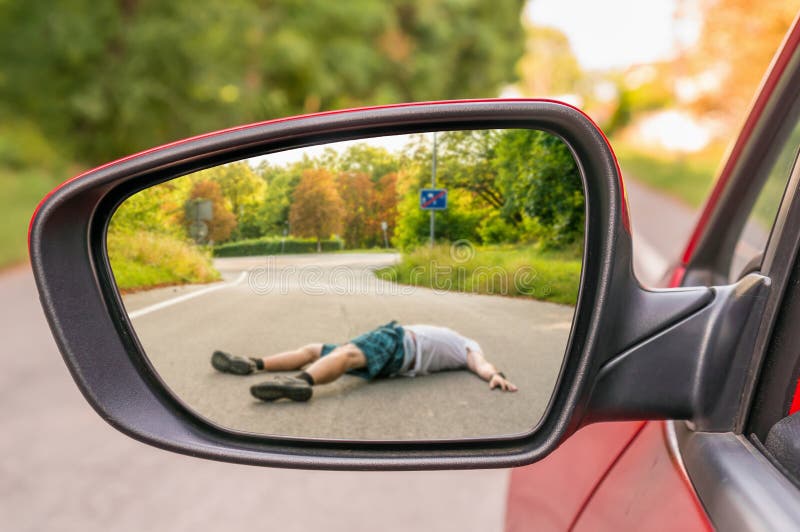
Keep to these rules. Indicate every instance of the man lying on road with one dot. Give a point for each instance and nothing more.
(388, 351)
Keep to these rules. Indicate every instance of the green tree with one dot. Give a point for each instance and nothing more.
(467, 162)
(157, 209)
(540, 178)
(106, 79)
(244, 192)
(549, 66)
(374, 161)
(273, 215)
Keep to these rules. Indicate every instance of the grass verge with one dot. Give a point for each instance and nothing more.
(21, 192)
(687, 178)
(145, 260)
(517, 271)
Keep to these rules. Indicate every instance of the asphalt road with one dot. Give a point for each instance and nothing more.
(268, 307)
(63, 468)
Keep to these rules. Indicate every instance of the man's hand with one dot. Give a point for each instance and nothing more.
(498, 381)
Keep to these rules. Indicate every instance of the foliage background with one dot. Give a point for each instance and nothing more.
(82, 83)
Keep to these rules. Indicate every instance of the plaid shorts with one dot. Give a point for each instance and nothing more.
(383, 349)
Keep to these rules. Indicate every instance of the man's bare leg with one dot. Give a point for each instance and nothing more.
(324, 370)
(295, 359)
(336, 363)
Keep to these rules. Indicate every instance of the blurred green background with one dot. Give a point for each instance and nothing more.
(82, 83)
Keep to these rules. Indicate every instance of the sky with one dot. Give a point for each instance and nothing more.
(608, 34)
(392, 143)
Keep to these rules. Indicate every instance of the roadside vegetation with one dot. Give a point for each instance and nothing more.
(21, 191)
(29, 168)
(687, 178)
(79, 88)
(506, 270)
(507, 187)
(148, 244)
(148, 259)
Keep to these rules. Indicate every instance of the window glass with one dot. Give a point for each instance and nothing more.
(755, 234)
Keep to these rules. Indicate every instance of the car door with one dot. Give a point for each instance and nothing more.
(662, 479)
(627, 475)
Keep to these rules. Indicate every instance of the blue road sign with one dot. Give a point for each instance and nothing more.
(433, 199)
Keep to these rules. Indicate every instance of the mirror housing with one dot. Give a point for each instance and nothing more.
(617, 365)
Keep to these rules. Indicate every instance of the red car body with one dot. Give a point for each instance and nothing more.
(629, 475)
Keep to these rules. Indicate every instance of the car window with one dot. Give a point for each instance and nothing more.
(753, 239)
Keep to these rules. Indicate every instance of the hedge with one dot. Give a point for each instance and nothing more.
(274, 246)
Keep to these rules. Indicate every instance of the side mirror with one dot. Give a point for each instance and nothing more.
(630, 353)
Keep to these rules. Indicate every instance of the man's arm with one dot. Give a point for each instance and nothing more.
(486, 371)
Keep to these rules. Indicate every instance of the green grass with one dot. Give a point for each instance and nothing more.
(687, 178)
(20, 192)
(517, 271)
(145, 260)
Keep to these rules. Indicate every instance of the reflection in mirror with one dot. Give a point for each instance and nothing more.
(405, 287)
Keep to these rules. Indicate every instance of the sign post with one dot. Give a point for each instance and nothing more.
(433, 199)
(199, 211)
(384, 227)
(433, 185)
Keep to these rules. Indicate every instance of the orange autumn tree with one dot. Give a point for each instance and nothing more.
(367, 203)
(737, 42)
(386, 190)
(317, 210)
(361, 226)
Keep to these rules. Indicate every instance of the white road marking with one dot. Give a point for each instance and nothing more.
(185, 297)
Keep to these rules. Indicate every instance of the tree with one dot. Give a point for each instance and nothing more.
(223, 221)
(273, 215)
(158, 209)
(540, 178)
(361, 157)
(467, 162)
(735, 49)
(388, 198)
(243, 190)
(360, 212)
(106, 79)
(549, 66)
(316, 210)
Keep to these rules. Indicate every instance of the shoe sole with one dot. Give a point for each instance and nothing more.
(273, 391)
(224, 363)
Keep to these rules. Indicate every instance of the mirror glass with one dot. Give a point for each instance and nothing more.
(408, 287)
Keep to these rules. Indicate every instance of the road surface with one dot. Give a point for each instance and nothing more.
(62, 468)
(300, 299)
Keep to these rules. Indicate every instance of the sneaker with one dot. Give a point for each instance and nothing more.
(227, 363)
(280, 387)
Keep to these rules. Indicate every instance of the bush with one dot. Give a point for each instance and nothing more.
(145, 259)
(494, 229)
(516, 271)
(274, 246)
(460, 221)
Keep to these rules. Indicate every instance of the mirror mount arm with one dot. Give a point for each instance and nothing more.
(693, 369)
